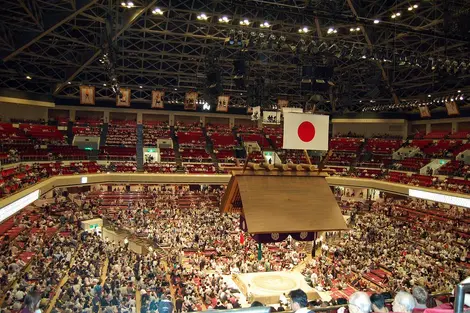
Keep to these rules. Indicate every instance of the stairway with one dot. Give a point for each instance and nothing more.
(104, 134)
(140, 148)
(210, 147)
(70, 134)
(176, 146)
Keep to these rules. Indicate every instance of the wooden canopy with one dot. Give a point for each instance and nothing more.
(283, 202)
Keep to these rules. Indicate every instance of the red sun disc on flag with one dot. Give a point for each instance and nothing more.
(306, 131)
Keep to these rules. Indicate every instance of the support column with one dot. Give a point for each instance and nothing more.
(455, 127)
(202, 120)
(172, 119)
(72, 114)
(106, 117)
(140, 118)
(428, 128)
(231, 122)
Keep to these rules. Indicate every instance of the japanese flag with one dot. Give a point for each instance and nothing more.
(305, 131)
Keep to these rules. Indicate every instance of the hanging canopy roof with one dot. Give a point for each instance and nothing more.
(280, 202)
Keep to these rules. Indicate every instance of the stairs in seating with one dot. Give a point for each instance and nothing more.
(70, 134)
(210, 147)
(140, 148)
(104, 134)
(176, 146)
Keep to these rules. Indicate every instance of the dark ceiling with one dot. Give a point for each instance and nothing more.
(59, 44)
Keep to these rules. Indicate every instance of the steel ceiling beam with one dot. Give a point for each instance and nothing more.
(130, 19)
(26, 39)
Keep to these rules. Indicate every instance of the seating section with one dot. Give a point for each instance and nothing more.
(117, 153)
(122, 133)
(293, 156)
(195, 155)
(200, 168)
(43, 134)
(382, 146)
(437, 135)
(154, 130)
(464, 134)
(275, 134)
(346, 144)
(369, 173)
(167, 154)
(451, 168)
(225, 156)
(191, 139)
(421, 143)
(10, 134)
(413, 164)
(160, 168)
(92, 131)
(223, 140)
(341, 158)
(259, 138)
(441, 148)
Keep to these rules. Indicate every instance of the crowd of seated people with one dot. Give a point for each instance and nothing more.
(122, 133)
(385, 248)
(154, 130)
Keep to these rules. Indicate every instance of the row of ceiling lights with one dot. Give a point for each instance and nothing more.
(459, 97)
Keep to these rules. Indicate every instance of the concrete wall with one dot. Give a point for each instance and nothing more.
(10, 111)
(370, 127)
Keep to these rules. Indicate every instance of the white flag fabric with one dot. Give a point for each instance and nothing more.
(305, 131)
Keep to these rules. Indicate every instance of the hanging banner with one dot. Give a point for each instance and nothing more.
(87, 95)
(124, 99)
(424, 112)
(256, 113)
(157, 99)
(271, 117)
(222, 103)
(190, 100)
(452, 107)
(282, 103)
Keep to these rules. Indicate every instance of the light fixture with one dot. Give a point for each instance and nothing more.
(176, 88)
(206, 106)
(459, 91)
(128, 4)
(141, 87)
(104, 84)
(331, 30)
(28, 77)
(202, 17)
(303, 30)
(265, 25)
(69, 83)
(376, 21)
(354, 29)
(245, 22)
(395, 15)
(157, 11)
(429, 96)
(224, 19)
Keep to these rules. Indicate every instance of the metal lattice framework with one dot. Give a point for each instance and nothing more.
(58, 44)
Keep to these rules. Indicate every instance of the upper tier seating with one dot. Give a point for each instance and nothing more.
(195, 155)
(463, 134)
(167, 154)
(225, 156)
(293, 156)
(43, 133)
(89, 122)
(259, 138)
(93, 131)
(200, 168)
(461, 148)
(275, 134)
(10, 134)
(441, 148)
(341, 158)
(382, 146)
(192, 139)
(160, 167)
(122, 133)
(218, 128)
(346, 144)
(420, 143)
(437, 135)
(451, 168)
(223, 140)
(413, 164)
(118, 153)
(154, 130)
